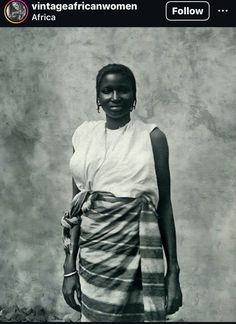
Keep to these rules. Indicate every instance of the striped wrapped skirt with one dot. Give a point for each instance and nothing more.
(121, 264)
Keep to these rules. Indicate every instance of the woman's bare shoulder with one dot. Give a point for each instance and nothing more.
(159, 139)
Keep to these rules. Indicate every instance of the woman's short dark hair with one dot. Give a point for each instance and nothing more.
(116, 68)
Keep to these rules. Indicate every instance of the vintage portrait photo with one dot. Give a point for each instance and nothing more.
(117, 155)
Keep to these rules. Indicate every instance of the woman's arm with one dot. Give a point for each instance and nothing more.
(71, 285)
(166, 220)
(70, 260)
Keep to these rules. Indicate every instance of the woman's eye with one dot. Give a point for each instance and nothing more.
(106, 90)
(124, 89)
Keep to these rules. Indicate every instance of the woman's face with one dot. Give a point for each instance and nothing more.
(116, 95)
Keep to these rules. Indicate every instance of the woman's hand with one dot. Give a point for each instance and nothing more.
(173, 293)
(71, 285)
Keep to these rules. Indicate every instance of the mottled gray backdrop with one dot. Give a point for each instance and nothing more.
(186, 80)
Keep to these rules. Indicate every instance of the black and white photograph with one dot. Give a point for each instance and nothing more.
(117, 155)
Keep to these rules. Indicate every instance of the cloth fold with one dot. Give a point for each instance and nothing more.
(72, 218)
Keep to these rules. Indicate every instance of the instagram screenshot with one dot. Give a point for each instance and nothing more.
(118, 142)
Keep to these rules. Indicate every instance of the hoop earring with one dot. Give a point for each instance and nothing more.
(98, 106)
(133, 107)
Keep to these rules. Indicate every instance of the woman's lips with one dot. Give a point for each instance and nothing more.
(116, 108)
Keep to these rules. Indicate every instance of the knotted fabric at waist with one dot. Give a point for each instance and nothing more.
(73, 217)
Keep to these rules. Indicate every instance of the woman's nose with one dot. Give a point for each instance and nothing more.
(115, 95)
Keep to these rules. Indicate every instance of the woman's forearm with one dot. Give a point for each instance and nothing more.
(70, 259)
(168, 235)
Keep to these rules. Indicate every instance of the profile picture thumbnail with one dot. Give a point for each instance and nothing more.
(16, 11)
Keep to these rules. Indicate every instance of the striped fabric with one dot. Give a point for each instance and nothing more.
(121, 260)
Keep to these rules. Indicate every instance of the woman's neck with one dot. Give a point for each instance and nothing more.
(112, 123)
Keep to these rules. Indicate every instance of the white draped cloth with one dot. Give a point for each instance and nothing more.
(119, 161)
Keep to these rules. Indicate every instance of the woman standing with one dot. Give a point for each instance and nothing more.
(120, 168)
